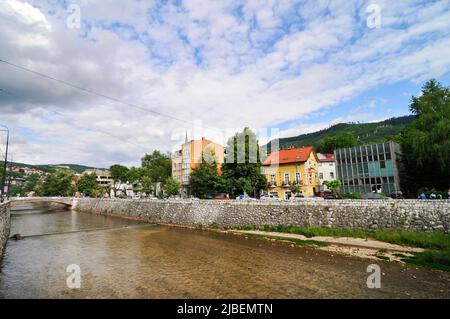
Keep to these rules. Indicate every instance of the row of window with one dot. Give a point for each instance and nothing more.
(368, 181)
(331, 175)
(364, 154)
(287, 178)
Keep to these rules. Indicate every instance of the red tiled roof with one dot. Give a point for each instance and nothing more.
(295, 155)
(325, 157)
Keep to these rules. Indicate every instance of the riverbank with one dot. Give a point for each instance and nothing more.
(4, 226)
(431, 250)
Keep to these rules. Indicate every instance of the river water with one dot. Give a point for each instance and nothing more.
(119, 258)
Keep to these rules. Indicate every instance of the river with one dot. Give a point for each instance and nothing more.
(120, 258)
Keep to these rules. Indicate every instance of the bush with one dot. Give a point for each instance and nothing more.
(352, 195)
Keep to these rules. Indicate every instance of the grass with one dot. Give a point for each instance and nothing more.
(437, 245)
(291, 240)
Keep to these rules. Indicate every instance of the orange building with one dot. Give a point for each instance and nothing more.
(190, 157)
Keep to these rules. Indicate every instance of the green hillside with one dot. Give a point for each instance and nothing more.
(49, 167)
(365, 133)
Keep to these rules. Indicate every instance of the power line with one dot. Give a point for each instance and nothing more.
(92, 92)
(80, 127)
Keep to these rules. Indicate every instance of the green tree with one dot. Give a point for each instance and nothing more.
(88, 185)
(171, 187)
(205, 180)
(330, 143)
(158, 167)
(242, 168)
(59, 183)
(146, 185)
(119, 174)
(334, 185)
(295, 189)
(425, 143)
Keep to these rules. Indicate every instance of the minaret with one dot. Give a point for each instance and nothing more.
(186, 139)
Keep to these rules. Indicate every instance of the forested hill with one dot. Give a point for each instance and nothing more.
(365, 133)
(50, 167)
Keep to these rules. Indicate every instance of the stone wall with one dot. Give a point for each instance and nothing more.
(4, 226)
(411, 215)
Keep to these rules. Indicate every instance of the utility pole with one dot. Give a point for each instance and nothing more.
(5, 129)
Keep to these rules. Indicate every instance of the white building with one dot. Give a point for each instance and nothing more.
(326, 168)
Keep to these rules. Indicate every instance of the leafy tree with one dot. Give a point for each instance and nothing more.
(119, 174)
(146, 185)
(330, 143)
(205, 180)
(59, 183)
(242, 168)
(158, 167)
(88, 185)
(294, 189)
(425, 142)
(333, 185)
(171, 187)
(134, 174)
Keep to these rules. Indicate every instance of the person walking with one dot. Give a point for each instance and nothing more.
(422, 196)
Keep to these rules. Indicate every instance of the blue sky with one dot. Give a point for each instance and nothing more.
(297, 66)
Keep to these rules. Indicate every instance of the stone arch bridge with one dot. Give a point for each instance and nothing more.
(67, 201)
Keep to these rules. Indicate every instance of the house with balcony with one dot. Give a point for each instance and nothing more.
(297, 167)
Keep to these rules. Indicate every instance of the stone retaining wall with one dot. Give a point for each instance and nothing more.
(411, 215)
(4, 226)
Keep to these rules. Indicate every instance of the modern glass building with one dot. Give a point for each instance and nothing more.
(368, 168)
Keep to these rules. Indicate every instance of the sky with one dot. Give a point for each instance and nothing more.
(208, 68)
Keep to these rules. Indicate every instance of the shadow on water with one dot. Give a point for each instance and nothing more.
(121, 258)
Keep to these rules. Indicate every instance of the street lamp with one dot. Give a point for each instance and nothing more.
(4, 128)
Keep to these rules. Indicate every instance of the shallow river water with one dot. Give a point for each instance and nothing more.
(120, 258)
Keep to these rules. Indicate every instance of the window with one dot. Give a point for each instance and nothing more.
(321, 175)
(297, 178)
(286, 178)
(382, 164)
(272, 179)
(332, 175)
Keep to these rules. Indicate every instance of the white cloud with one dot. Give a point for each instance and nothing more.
(277, 61)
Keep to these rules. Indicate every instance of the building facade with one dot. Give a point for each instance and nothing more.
(326, 169)
(294, 167)
(368, 168)
(189, 157)
(104, 178)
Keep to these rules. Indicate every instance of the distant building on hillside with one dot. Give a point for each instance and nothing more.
(104, 178)
(190, 157)
(293, 167)
(368, 168)
(326, 169)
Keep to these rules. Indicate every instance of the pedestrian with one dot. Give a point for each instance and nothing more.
(432, 196)
(422, 196)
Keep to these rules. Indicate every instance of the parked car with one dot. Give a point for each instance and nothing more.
(330, 195)
(298, 197)
(269, 198)
(244, 198)
(397, 195)
(221, 197)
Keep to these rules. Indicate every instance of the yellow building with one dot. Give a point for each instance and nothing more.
(297, 166)
(190, 157)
